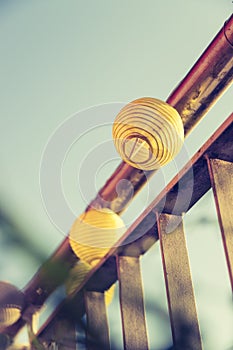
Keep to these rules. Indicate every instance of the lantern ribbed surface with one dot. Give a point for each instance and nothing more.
(9, 315)
(148, 133)
(11, 304)
(94, 232)
(76, 277)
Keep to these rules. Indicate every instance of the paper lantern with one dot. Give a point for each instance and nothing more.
(91, 237)
(77, 275)
(94, 233)
(12, 302)
(148, 133)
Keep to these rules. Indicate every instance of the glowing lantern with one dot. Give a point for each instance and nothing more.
(94, 233)
(11, 304)
(91, 237)
(148, 133)
(76, 277)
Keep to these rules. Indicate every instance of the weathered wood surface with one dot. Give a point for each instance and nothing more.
(97, 324)
(132, 303)
(179, 286)
(221, 174)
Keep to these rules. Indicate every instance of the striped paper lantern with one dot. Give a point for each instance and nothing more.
(148, 133)
(12, 302)
(94, 232)
(77, 275)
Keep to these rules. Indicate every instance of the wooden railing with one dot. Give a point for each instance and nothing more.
(211, 167)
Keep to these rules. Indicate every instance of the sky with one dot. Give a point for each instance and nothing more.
(87, 59)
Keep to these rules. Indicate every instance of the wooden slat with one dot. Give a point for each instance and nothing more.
(180, 293)
(221, 175)
(132, 305)
(97, 324)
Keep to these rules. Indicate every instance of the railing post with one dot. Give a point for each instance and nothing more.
(97, 324)
(131, 302)
(221, 177)
(180, 293)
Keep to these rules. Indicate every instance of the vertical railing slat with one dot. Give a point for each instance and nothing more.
(180, 293)
(221, 176)
(97, 324)
(132, 304)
